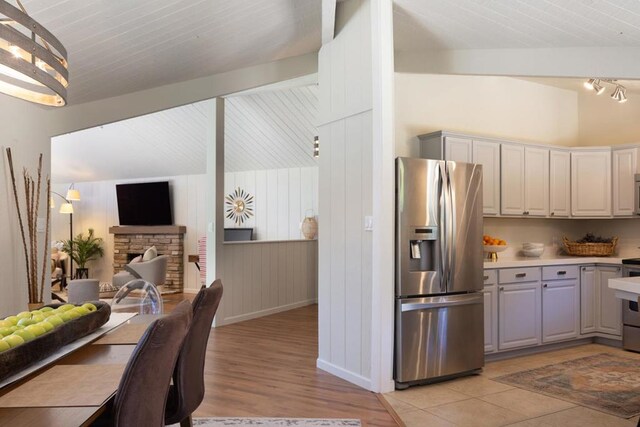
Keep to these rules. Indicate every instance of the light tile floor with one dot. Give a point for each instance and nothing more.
(479, 401)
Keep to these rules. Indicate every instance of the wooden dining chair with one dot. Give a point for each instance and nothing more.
(187, 391)
(142, 393)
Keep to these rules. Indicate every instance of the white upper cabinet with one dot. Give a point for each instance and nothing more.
(625, 166)
(488, 155)
(536, 180)
(591, 183)
(458, 149)
(525, 180)
(559, 183)
(512, 179)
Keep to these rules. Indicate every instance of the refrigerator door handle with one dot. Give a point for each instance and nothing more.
(451, 231)
(439, 302)
(442, 244)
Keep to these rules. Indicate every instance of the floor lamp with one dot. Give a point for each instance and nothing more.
(67, 208)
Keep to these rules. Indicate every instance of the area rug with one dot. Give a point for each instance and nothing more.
(604, 382)
(275, 422)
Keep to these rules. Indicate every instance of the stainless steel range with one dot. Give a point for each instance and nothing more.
(439, 328)
(630, 313)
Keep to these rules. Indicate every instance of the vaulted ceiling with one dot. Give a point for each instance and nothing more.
(122, 46)
(496, 24)
(265, 129)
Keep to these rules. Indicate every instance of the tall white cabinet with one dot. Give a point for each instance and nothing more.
(591, 183)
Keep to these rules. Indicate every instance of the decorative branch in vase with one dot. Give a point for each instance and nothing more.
(29, 226)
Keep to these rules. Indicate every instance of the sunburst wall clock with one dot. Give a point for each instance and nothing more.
(239, 206)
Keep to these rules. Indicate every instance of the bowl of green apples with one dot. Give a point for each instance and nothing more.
(31, 336)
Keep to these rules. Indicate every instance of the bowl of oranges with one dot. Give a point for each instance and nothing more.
(493, 245)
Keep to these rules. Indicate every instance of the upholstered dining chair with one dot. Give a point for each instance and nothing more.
(187, 391)
(142, 393)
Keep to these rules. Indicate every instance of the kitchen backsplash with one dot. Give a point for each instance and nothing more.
(550, 231)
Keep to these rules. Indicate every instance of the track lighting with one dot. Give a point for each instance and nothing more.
(589, 84)
(619, 93)
(598, 87)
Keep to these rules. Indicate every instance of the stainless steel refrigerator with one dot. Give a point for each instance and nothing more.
(439, 310)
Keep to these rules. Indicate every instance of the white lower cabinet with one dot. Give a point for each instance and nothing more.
(610, 307)
(588, 300)
(519, 307)
(490, 294)
(560, 310)
(531, 306)
(600, 310)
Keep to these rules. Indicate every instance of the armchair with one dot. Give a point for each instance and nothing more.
(154, 271)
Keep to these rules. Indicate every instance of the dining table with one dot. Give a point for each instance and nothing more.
(76, 387)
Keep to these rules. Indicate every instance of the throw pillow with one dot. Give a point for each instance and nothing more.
(136, 259)
(150, 254)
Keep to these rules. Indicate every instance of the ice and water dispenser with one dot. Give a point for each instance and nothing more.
(419, 260)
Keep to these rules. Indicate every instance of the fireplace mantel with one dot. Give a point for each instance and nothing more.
(148, 229)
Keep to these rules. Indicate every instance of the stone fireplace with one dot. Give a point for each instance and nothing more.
(130, 241)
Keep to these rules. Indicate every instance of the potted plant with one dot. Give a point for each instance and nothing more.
(83, 249)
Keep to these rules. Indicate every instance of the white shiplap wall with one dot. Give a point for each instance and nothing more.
(282, 198)
(345, 191)
(262, 278)
(98, 209)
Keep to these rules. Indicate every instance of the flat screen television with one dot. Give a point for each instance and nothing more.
(146, 203)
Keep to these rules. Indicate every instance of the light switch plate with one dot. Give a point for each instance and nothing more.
(368, 223)
(40, 225)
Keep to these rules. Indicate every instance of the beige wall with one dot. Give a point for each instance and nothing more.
(22, 130)
(491, 106)
(605, 122)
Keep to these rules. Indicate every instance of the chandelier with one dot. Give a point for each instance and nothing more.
(33, 62)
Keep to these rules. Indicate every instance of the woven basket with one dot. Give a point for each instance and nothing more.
(589, 249)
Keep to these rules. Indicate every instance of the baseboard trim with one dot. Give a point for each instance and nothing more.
(596, 338)
(340, 372)
(266, 312)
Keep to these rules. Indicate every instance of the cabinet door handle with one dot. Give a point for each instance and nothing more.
(561, 273)
(544, 286)
(486, 277)
(502, 288)
(519, 275)
(553, 213)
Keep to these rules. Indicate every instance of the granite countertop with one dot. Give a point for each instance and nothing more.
(556, 260)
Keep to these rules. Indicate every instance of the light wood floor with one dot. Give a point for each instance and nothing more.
(266, 368)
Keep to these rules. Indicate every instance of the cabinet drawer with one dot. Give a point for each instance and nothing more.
(556, 272)
(518, 275)
(490, 277)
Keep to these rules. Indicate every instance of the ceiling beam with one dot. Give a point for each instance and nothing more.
(328, 20)
(612, 62)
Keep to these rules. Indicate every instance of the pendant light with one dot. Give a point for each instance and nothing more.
(33, 62)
